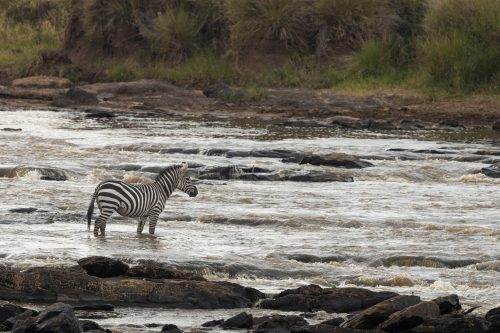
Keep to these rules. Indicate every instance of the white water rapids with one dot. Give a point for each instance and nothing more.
(415, 222)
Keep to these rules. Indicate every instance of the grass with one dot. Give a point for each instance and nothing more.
(20, 44)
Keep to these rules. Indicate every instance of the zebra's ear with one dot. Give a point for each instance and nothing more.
(184, 166)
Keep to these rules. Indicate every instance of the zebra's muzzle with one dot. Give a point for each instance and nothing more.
(193, 193)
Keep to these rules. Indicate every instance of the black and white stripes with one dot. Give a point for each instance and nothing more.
(139, 200)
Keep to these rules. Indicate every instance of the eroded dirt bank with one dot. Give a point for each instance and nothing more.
(382, 111)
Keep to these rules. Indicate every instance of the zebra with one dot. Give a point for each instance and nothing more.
(139, 200)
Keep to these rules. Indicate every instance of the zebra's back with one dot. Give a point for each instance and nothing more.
(129, 199)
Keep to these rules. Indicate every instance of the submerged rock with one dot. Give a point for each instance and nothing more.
(92, 326)
(103, 267)
(314, 298)
(492, 171)
(241, 320)
(170, 328)
(335, 160)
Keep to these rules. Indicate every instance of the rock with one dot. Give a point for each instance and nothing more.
(435, 262)
(496, 126)
(336, 160)
(453, 324)
(42, 82)
(23, 210)
(410, 125)
(373, 316)
(75, 96)
(381, 125)
(310, 258)
(303, 123)
(31, 93)
(48, 284)
(8, 311)
(57, 318)
(410, 317)
(452, 123)
(492, 171)
(242, 320)
(92, 326)
(103, 267)
(448, 304)
(8, 129)
(334, 321)
(212, 323)
(350, 122)
(154, 270)
(278, 323)
(493, 314)
(170, 328)
(22, 317)
(321, 328)
(98, 113)
(314, 298)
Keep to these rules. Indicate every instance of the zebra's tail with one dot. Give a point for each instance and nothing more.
(90, 211)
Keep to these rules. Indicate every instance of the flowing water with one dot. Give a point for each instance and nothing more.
(422, 220)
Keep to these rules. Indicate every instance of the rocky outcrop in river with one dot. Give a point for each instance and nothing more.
(153, 284)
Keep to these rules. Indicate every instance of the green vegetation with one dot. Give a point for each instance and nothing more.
(448, 45)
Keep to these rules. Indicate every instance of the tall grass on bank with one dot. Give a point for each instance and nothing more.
(461, 49)
(268, 24)
(26, 28)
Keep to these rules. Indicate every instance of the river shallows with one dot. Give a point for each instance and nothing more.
(418, 221)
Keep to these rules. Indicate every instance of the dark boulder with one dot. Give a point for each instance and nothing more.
(381, 125)
(8, 311)
(336, 160)
(454, 324)
(92, 326)
(448, 304)
(75, 96)
(410, 317)
(334, 321)
(98, 113)
(373, 316)
(57, 318)
(496, 126)
(103, 267)
(322, 328)
(212, 323)
(492, 171)
(314, 298)
(20, 318)
(241, 320)
(170, 328)
(278, 324)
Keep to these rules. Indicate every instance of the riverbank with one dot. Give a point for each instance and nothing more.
(98, 284)
(298, 107)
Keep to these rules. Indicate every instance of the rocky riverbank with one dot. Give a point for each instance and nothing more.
(288, 107)
(100, 284)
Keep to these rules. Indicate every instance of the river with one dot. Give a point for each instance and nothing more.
(422, 220)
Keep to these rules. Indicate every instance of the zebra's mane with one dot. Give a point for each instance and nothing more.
(167, 169)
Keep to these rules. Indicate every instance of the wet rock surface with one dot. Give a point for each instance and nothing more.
(103, 266)
(314, 298)
(57, 318)
(44, 284)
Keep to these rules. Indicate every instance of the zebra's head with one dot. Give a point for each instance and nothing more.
(185, 184)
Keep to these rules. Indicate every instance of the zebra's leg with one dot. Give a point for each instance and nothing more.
(153, 218)
(142, 222)
(100, 222)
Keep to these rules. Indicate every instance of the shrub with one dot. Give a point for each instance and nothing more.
(462, 44)
(260, 23)
(174, 33)
(350, 21)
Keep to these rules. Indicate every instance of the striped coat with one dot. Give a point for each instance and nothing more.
(138, 200)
